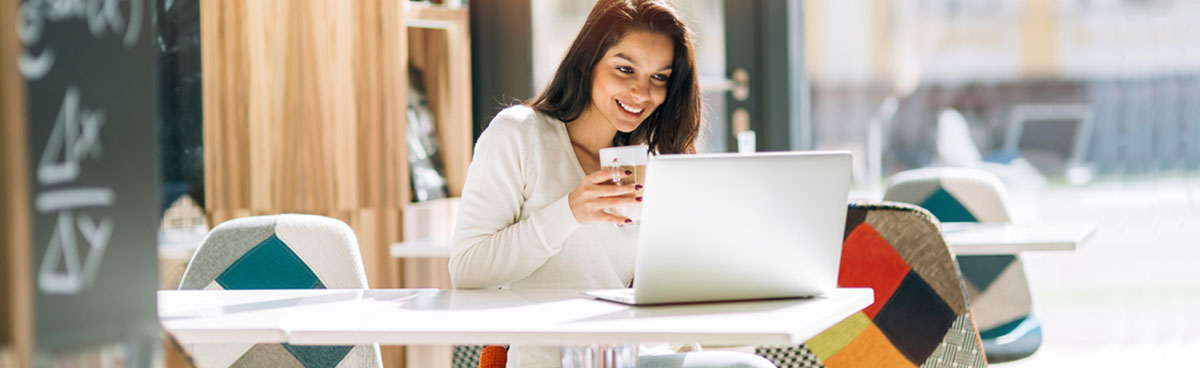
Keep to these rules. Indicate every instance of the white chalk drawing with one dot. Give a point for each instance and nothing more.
(103, 17)
(62, 271)
(75, 136)
(66, 267)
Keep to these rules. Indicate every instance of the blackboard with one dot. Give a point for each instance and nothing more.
(89, 74)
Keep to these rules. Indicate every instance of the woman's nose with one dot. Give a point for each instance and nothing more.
(639, 92)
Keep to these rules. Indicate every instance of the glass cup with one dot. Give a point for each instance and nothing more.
(631, 158)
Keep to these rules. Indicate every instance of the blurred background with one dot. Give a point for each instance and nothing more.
(1087, 110)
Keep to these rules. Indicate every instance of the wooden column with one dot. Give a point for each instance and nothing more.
(16, 314)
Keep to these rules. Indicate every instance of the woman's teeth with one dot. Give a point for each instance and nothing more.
(629, 109)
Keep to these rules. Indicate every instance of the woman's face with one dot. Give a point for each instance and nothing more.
(630, 81)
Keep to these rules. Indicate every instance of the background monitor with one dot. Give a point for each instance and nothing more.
(1054, 138)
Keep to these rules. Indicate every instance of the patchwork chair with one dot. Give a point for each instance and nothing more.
(279, 252)
(996, 284)
(920, 317)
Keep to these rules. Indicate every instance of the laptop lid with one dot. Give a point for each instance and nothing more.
(741, 226)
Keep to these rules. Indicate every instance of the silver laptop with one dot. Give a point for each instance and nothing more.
(718, 227)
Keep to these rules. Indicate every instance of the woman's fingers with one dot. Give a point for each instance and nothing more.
(607, 175)
(611, 218)
(610, 202)
(597, 192)
(601, 191)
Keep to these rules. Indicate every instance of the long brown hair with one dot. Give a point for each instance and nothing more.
(674, 126)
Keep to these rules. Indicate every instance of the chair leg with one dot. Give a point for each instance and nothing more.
(1012, 341)
(493, 356)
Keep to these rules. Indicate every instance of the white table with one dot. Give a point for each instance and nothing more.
(430, 316)
(970, 238)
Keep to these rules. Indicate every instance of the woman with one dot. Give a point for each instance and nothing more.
(533, 214)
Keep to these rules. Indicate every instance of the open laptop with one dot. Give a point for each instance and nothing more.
(719, 227)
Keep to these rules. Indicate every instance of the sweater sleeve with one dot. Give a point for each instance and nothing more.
(491, 245)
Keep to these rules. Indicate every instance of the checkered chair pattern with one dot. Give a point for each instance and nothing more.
(466, 356)
(996, 284)
(920, 317)
(279, 252)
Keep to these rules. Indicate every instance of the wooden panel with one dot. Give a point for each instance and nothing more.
(16, 314)
(373, 227)
(329, 118)
(426, 273)
(456, 131)
(421, 12)
(368, 91)
(396, 190)
(225, 100)
(429, 356)
(251, 100)
(271, 44)
(381, 75)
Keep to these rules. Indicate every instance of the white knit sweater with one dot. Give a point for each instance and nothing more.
(515, 229)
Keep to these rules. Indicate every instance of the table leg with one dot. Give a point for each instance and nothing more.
(600, 356)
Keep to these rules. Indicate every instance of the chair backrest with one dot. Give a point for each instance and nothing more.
(920, 317)
(279, 252)
(952, 194)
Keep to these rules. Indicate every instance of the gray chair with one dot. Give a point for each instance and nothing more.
(279, 252)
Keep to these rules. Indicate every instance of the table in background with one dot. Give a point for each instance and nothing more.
(973, 238)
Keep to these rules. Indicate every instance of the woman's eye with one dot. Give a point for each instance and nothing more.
(661, 77)
(625, 69)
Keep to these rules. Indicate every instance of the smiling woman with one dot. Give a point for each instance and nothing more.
(533, 210)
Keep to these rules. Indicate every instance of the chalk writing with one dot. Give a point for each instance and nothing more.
(65, 268)
(103, 17)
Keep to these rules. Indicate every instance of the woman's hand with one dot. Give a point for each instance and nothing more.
(597, 192)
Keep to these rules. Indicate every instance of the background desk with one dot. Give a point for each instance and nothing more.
(430, 316)
(971, 238)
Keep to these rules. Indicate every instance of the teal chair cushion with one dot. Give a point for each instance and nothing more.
(287, 270)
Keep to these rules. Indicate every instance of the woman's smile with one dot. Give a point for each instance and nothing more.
(632, 112)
